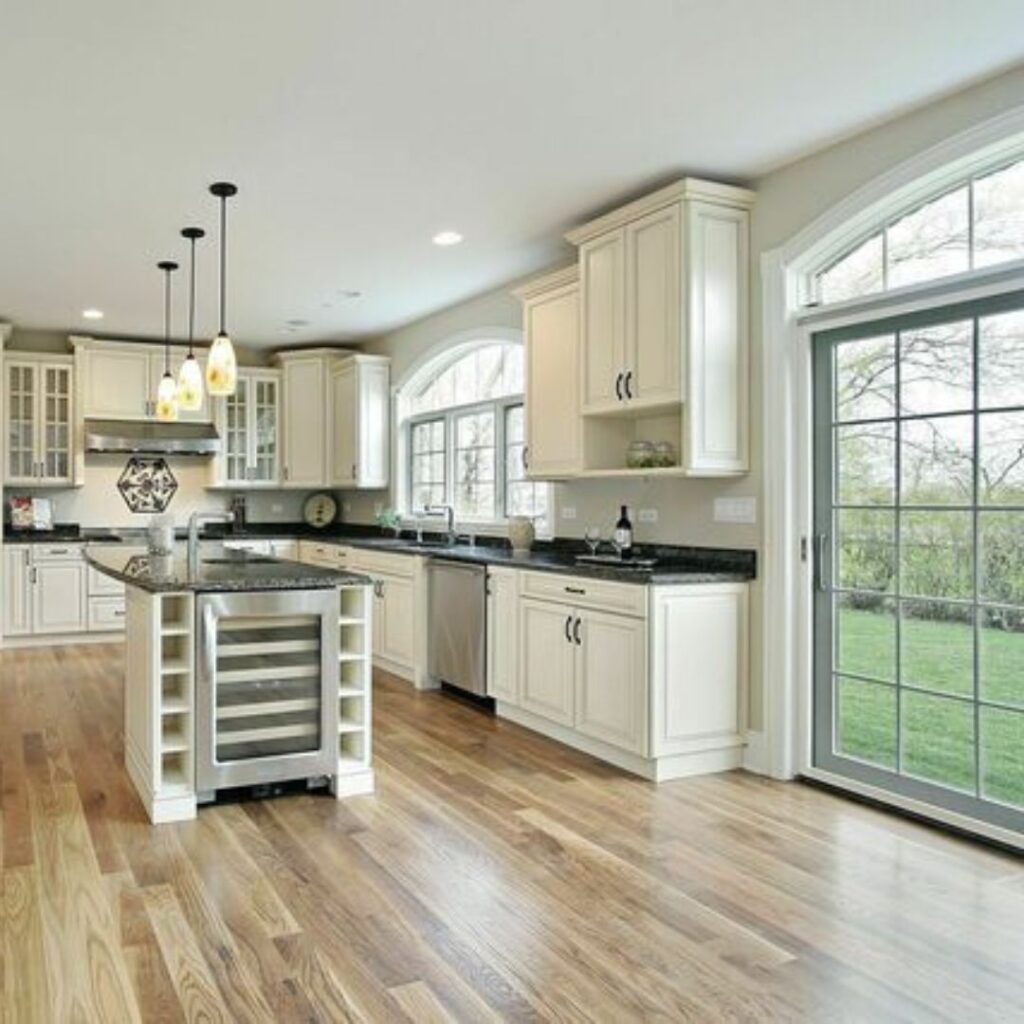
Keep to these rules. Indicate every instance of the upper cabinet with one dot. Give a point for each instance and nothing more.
(664, 348)
(39, 406)
(249, 426)
(335, 416)
(551, 328)
(360, 407)
(118, 380)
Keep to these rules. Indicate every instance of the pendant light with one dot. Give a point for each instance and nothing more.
(221, 368)
(167, 393)
(190, 376)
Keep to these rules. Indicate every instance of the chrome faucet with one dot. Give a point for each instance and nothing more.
(194, 520)
(449, 514)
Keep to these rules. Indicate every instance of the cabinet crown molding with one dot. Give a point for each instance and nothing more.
(560, 278)
(693, 189)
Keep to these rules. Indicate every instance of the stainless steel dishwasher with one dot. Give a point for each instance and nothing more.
(457, 617)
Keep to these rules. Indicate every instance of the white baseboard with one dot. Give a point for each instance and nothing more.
(63, 639)
(755, 757)
(659, 769)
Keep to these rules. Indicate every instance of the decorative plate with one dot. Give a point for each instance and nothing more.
(320, 510)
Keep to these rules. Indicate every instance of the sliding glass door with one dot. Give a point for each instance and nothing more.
(919, 590)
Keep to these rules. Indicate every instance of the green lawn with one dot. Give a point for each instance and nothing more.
(938, 733)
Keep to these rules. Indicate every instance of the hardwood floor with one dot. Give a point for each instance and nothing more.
(494, 876)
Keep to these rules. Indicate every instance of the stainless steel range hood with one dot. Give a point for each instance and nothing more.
(145, 437)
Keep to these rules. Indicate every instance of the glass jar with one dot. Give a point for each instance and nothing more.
(664, 454)
(640, 455)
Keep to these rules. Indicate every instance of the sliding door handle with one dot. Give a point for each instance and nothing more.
(820, 557)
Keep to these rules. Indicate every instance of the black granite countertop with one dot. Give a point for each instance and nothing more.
(673, 564)
(218, 569)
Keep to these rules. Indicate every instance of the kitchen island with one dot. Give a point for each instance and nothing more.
(240, 670)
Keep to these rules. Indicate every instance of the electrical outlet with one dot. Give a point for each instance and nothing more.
(736, 510)
(346, 507)
(277, 508)
(568, 511)
(647, 515)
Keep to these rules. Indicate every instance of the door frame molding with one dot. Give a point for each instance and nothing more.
(784, 748)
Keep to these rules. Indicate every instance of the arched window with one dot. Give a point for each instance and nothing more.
(979, 222)
(463, 428)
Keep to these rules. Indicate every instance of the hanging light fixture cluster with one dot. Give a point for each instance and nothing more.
(186, 394)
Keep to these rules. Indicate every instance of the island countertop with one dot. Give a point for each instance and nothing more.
(218, 569)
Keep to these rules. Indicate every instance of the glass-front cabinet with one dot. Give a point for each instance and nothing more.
(39, 396)
(249, 423)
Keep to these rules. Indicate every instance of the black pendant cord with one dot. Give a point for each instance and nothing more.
(223, 190)
(167, 266)
(192, 234)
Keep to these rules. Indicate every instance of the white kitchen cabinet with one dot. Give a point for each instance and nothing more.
(249, 426)
(603, 304)
(118, 380)
(551, 326)
(394, 635)
(503, 634)
(17, 590)
(360, 410)
(39, 403)
(304, 421)
(547, 657)
(665, 323)
(286, 549)
(611, 679)
(59, 596)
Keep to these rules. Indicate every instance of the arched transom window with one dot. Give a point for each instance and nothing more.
(464, 435)
(977, 223)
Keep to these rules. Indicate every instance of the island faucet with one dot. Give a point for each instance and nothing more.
(449, 513)
(194, 520)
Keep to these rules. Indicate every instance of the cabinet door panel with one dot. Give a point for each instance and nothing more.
(234, 419)
(611, 680)
(345, 413)
(22, 386)
(373, 453)
(117, 383)
(654, 309)
(553, 427)
(602, 268)
(53, 428)
(397, 634)
(546, 660)
(58, 598)
(503, 636)
(305, 428)
(264, 428)
(17, 610)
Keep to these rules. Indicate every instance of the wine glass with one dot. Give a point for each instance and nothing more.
(592, 535)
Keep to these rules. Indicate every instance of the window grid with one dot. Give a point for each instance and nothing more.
(980, 601)
(817, 286)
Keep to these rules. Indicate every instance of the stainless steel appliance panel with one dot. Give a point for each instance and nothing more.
(457, 633)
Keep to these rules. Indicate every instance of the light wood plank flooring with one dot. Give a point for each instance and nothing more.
(494, 876)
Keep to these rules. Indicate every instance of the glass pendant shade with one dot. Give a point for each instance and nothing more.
(190, 385)
(167, 398)
(221, 368)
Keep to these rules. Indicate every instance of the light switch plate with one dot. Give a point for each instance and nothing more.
(647, 515)
(736, 510)
(568, 511)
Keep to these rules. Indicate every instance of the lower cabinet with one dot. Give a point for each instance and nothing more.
(547, 658)
(611, 679)
(503, 634)
(17, 591)
(394, 636)
(59, 597)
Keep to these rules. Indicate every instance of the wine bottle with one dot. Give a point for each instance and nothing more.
(624, 533)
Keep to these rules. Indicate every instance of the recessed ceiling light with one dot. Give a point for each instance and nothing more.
(447, 238)
(92, 314)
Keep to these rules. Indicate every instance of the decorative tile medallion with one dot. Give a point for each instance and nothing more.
(147, 485)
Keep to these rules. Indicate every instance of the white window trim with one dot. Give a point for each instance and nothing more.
(451, 347)
(783, 748)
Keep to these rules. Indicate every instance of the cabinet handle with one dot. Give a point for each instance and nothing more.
(568, 627)
(526, 456)
(119, 613)
(575, 590)
(618, 387)
(576, 632)
(355, 471)
(625, 383)
(820, 557)
(284, 471)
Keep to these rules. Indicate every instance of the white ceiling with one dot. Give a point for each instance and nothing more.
(356, 129)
